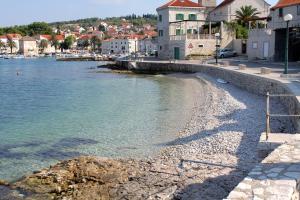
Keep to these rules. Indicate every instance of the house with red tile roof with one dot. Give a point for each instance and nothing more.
(176, 19)
(184, 29)
(3, 40)
(226, 10)
(270, 43)
(15, 38)
(282, 8)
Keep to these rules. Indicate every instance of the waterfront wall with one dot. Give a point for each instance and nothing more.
(253, 83)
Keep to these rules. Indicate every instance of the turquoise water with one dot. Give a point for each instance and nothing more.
(58, 110)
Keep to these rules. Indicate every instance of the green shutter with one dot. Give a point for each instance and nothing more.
(192, 17)
(180, 17)
(178, 32)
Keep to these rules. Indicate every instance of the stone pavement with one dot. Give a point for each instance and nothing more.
(277, 177)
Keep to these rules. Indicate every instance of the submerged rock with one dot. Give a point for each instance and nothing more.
(80, 178)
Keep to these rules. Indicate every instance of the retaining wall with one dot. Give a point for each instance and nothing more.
(253, 83)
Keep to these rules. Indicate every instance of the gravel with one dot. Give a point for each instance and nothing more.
(212, 154)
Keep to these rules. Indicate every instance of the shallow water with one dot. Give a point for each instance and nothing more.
(59, 110)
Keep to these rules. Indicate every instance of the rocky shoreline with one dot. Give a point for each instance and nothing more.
(210, 157)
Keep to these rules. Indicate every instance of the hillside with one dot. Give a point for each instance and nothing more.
(46, 28)
(136, 20)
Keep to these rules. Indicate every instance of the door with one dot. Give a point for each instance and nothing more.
(176, 53)
(266, 49)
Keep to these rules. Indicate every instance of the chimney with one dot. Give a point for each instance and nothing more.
(208, 3)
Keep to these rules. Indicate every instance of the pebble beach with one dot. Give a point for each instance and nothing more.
(210, 156)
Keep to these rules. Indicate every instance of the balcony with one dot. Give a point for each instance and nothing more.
(192, 37)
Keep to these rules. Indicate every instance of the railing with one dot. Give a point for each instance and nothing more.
(192, 37)
(269, 115)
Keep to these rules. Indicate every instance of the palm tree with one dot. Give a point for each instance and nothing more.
(43, 45)
(11, 44)
(246, 14)
(2, 46)
(95, 41)
(54, 42)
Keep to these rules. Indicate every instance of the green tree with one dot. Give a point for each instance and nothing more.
(43, 45)
(39, 28)
(68, 42)
(85, 43)
(11, 44)
(246, 14)
(95, 42)
(54, 42)
(241, 32)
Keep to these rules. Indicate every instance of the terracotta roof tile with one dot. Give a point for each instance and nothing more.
(60, 37)
(14, 36)
(285, 3)
(181, 3)
(48, 37)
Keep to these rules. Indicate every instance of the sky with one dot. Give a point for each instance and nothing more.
(20, 12)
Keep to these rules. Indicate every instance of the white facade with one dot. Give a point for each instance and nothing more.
(227, 11)
(28, 46)
(185, 31)
(49, 49)
(148, 45)
(120, 46)
(262, 43)
(277, 21)
(168, 30)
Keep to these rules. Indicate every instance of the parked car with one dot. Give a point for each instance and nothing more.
(225, 53)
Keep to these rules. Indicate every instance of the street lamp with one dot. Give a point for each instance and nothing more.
(217, 46)
(287, 18)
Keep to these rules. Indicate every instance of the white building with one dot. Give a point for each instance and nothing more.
(28, 46)
(15, 38)
(3, 40)
(184, 30)
(226, 11)
(148, 45)
(49, 49)
(126, 45)
(269, 43)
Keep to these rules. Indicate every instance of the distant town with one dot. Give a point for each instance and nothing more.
(182, 29)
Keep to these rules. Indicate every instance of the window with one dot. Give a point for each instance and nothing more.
(189, 31)
(178, 32)
(160, 33)
(192, 17)
(298, 10)
(280, 12)
(180, 17)
(160, 47)
(254, 45)
(160, 18)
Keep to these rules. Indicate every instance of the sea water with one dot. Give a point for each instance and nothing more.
(51, 111)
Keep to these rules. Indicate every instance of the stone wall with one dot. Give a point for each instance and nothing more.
(250, 82)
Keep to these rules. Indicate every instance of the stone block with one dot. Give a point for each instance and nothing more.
(265, 70)
(225, 63)
(242, 67)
